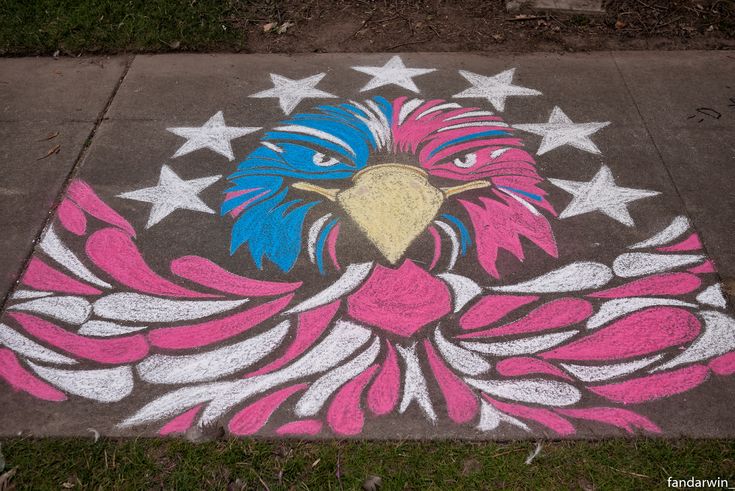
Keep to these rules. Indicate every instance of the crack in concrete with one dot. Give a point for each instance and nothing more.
(67, 181)
(46, 121)
(668, 171)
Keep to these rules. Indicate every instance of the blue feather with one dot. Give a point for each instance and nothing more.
(464, 234)
(319, 249)
(272, 230)
(271, 226)
(534, 197)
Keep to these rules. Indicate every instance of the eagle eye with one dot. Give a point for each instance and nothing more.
(322, 160)
(469, 160)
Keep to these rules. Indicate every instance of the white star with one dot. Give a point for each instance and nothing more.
(393, 72)
(560, 130)
(601, 194)
(172, 193)
(291, 92)
(214, 134)
(495, 89)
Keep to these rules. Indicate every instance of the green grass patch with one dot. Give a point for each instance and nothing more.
(176, 464)
(90, 26)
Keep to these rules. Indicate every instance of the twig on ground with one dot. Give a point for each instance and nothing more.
(521, 18)
(95, 433)
(262, 481)
(635, 474)
(669, 22)
(339, 470)
(6, 478)
(436, 33)
(362, 26)
(408, 43)
(50, 136)
(51, 152)
(533, 454)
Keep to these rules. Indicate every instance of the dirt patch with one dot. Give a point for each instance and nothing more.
(308, 26)
(477, 25)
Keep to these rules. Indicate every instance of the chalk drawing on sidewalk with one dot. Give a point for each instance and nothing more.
(172, 193)
(561, 130)
(214, 135)
(290, 92)
(430, 325)
(601, 194)
(495, 89)
(394, 72)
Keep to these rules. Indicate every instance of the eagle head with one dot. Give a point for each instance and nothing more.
(400, 171)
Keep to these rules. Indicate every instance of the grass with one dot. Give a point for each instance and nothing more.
(247, 464)
(89, 26)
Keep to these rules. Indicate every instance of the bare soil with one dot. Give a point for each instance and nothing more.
(480, 25)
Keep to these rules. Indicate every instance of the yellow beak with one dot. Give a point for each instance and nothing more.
(391, 204)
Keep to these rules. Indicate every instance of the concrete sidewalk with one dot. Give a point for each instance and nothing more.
(561, 288)
(49, 109)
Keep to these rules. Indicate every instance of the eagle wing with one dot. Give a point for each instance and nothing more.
(577, 343)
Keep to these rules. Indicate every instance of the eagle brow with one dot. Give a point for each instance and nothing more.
(472, 124)
(306, 130)
(316, 147)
